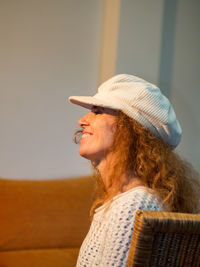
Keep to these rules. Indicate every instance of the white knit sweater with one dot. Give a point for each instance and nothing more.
(108, 240)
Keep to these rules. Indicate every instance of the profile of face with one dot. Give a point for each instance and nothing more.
(98, 131)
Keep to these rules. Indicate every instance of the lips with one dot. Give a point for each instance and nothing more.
(85, 134)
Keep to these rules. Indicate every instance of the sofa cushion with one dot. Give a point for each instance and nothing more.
(65, 257)
(44, 214)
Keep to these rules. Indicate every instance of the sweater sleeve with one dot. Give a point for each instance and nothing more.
(120, 227)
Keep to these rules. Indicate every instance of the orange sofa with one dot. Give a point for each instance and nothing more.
(43, 223)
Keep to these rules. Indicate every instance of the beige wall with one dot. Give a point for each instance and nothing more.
(185, 93)
(52, 49)
(49, 50)
(160, 41)
(139, 38)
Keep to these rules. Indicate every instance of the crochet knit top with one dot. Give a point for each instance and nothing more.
(108, 240)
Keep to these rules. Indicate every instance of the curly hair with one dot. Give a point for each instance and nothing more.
(145, 156)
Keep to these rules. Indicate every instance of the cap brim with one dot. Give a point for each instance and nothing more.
(90, 101)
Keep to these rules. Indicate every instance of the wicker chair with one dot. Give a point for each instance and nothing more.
(165, 239)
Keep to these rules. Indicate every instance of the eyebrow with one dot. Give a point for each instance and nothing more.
(104, 110)
(98, 107)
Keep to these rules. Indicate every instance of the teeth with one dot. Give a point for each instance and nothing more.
(85, 135)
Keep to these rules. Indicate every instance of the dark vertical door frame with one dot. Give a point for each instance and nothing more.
(167, 46)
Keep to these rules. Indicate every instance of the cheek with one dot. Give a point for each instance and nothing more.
(109, 136)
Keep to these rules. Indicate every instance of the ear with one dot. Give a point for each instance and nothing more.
(114, 127)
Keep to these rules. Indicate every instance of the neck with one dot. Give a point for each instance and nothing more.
(128, 181)
(104, 167)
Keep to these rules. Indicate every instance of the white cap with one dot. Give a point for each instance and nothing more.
(141, 101)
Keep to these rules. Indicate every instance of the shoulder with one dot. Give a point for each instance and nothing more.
(136, 198)
(128, 203)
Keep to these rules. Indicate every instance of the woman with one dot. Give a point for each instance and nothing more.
(129, 136)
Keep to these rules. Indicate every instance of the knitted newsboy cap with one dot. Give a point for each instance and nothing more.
(141, 101)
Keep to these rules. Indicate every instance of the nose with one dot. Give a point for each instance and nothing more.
(84, 121)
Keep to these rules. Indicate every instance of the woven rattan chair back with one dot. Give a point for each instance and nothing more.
(165, 239)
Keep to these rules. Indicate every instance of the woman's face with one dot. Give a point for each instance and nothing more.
(98, 131)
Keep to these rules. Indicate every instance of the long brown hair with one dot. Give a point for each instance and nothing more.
(145, 156)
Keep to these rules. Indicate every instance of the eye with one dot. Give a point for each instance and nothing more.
(96, 110)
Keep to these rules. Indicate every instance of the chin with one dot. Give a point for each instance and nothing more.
(85, 154)
(95, 157)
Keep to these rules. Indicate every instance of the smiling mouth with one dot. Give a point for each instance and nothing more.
(85, 134)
